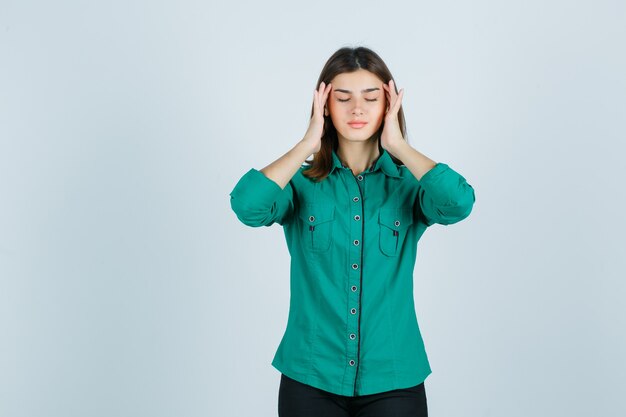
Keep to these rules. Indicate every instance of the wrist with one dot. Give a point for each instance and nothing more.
(399, 148)
(308, 144)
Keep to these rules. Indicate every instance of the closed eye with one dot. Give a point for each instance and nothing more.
(347, 99)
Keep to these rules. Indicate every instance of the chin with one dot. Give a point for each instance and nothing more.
(358, 136)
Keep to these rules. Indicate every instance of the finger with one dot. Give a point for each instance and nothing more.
(393, 88)
(327, 90)
(398, 101)
(325, 96)
(390, 96)
(387, 92)
(394, 104)
(320, 91)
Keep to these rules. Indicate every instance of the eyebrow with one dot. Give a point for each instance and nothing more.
(367, 90)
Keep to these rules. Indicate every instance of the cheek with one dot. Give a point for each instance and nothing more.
(381, 108)
(332, 107)
(335, 118)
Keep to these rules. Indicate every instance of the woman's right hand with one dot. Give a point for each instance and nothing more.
(313, 135)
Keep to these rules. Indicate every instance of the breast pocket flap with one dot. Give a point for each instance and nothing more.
(314, 214)
(396, 218)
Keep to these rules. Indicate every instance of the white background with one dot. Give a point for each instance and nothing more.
(129, 288)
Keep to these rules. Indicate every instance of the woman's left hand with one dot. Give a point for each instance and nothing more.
(391, 135)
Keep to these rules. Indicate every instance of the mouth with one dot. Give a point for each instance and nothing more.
(357, 125)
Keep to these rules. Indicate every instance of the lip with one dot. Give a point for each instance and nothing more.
(357, 125)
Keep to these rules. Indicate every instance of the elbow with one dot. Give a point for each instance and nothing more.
(456, 210)
(453, 214)
(250, 215)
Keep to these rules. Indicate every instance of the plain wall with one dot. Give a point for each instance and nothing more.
(129, 288)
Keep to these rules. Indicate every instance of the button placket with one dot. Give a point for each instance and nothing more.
(355, 277)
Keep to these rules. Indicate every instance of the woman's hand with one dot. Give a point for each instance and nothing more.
(313, 135)
(391, 136)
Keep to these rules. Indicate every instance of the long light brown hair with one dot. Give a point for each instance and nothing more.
(344, 60)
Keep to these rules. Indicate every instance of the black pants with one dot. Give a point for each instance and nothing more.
(296, 399)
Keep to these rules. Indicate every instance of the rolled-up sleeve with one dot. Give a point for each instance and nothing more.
(444, 196)
(259, 201)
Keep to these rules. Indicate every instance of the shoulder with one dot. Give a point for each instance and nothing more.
(299, 180)
(440, 171)
(299, 177)
(405, 174)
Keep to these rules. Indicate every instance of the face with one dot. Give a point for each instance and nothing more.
(356, 96)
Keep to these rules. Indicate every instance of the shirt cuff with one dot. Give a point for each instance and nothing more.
(443, 185)
(254, 187)
(445, 197)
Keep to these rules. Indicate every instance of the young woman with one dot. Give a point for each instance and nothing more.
(352, 218)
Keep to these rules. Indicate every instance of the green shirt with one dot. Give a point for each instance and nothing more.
(352, 328)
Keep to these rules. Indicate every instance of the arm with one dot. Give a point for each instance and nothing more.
(283, 169)
(264, 197)
(443, 195)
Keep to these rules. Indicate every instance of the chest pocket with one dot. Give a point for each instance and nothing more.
(394, 224)
(317, 226)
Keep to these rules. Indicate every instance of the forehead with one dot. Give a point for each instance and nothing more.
(356, 81)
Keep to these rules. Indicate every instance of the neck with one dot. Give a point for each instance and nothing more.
(358, 156)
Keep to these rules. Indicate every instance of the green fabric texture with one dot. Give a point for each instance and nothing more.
(352, 327)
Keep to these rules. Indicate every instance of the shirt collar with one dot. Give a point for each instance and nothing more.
(383, 162)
